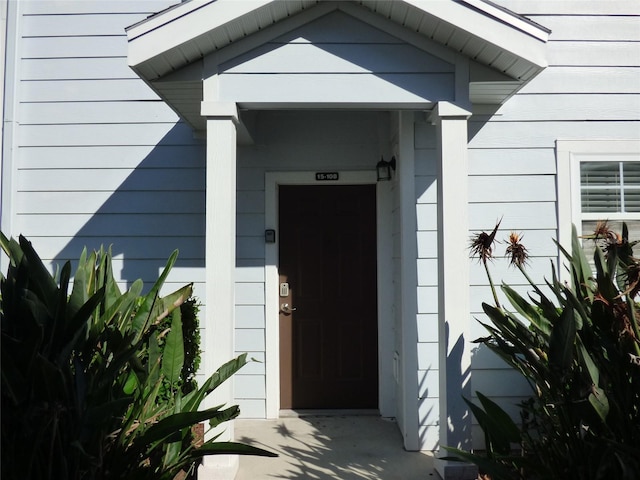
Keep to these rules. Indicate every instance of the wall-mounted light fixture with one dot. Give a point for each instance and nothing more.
(385, 169)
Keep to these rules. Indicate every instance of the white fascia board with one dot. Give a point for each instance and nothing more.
(499, 28)
(360, 106)
(165, 16)
(179, 25)
(510, 18)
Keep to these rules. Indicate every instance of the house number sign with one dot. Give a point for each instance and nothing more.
(324, 176)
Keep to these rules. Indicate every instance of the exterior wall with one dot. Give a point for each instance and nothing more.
(97, 157)
(427, 267)
(591, 90)
(335, 59)
(413, 409)
(307, 65)
(285, 142)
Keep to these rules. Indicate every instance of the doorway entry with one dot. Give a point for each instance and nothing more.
(328, 297)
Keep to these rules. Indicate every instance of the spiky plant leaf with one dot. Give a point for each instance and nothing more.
(527, 310)
(561, 341)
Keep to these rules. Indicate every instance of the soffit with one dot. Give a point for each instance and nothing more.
(191, 30)
(510, 46)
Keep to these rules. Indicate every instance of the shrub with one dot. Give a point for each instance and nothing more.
(191, 341)
(81, 374)
(191, 334)
(578, 347)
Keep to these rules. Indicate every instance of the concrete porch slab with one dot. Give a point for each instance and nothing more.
(324, 447)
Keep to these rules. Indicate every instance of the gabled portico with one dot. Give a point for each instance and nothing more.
(228, 67)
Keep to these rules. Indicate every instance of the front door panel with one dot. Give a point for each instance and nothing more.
(328, 319)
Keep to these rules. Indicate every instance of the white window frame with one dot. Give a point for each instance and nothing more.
(569, 155)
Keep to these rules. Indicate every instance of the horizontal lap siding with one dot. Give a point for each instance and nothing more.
(591, 90)
(361, 65)
(310, 64)
(100, 160)
(426, 189)
(284, 141)
(250, 383)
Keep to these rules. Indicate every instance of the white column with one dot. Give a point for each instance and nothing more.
(453, 286)
(220, 261)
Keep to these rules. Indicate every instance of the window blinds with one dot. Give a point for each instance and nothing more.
(610, 187)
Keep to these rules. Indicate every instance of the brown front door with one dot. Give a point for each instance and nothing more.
(328, 320)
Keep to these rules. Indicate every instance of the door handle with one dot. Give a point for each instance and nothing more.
(287, 309)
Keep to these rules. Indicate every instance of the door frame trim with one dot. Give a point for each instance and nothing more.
(386, 388)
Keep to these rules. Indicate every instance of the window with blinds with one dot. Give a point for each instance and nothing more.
(610, 187)
(597, 180)
(610, 190)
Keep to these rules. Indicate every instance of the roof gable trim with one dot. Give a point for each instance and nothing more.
(514, 36)
(510, 18)
(190, 20)
(178, 30)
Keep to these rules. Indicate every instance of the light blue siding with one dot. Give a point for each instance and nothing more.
(284, 141)
(71, 47)
(252, 408)
(336, 59)
(76, 69)
(427, 244)
(426, 190)
(572, 107)
(98, 158)
(47, 113)
(498, 161)
(542, 134)
(125, 157)
(511, 188)
(591, 90)
(250, 340)
(250, 316)
(604, 80)
(427, 327)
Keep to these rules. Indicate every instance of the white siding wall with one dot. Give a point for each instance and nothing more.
(591, 90)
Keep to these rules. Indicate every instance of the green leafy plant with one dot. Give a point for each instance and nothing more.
(578, 347)
(81, 374)
(189, 353)
(191, 334)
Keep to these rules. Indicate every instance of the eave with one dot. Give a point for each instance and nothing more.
(510, 49)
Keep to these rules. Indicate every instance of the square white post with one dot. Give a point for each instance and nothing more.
(220, 261)
(453, 286)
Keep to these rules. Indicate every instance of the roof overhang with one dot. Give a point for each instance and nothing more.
(506, 49)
